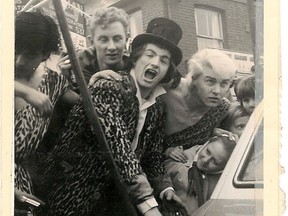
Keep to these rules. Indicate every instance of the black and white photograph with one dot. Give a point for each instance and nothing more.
(133, 107)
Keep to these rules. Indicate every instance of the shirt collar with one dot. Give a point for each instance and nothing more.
(145, 103)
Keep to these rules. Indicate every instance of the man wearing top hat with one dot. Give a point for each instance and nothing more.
(132, 119)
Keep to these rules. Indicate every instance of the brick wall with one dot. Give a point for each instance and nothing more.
(150, 8)
(183, 13)
(235, 21)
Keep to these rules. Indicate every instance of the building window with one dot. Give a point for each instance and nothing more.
(209, 29)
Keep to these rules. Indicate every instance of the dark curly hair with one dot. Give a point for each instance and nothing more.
(35, 31)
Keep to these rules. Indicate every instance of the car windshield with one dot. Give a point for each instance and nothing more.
(253, 167)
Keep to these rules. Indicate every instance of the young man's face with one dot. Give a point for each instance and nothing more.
(110, 44)
(211, 87)
(249, 104)
(238, 125)
(151, 67)
(212, 157)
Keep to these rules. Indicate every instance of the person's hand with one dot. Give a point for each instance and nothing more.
(106, 74)
(40, 101)
(64, 62)
(22, 197)
(173, 204)
(153, 212)
(231, 136)
(177, 154)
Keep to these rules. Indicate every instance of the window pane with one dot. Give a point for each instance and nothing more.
(253, 168)
(210, 24)
(209, 29)
(201, 17)
(209, 43)
(216, 26)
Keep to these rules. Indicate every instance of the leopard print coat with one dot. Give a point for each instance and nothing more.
(79, 172)
(200, 132)
(30, 128)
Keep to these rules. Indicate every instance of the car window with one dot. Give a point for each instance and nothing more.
(250, 171)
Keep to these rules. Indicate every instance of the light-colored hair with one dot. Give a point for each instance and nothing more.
(107, 15)
(218, 61)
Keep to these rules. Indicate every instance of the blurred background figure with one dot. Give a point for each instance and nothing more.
(245, 93)
(236, 119)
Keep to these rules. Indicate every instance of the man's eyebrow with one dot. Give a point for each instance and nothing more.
(209, 77)
(117, 35)
(102, 36)
(163, 56)
(151, 50)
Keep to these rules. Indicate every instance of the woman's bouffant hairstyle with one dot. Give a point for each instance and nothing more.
(218, 61)
(245, 88)
(172, 73)
(105, 16)
(35, 31)
(235, 111)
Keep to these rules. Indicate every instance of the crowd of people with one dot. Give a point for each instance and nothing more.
(165, 132)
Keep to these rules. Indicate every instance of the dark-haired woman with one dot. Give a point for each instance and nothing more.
(36, 36)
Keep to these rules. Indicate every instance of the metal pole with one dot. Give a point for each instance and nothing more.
(251, 11)
(31, 2)
(39, 5)
(91, 113)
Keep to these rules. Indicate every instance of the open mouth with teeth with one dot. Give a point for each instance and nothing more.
(150, 74)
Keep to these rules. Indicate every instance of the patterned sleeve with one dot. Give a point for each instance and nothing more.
(108, 98)
(55, 86)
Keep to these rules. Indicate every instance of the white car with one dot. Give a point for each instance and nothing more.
(239, 190)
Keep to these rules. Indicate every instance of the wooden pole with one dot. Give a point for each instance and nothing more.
(91, 113)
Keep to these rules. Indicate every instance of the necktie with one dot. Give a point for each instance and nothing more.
(195, 183)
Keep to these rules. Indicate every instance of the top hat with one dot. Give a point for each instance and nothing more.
(165, 32)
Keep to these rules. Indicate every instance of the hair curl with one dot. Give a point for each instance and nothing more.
(219, 62)
(105, 16)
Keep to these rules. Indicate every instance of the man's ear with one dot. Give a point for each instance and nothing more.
(90, 38)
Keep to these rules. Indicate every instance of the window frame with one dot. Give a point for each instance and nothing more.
(237, 182)
(220, 18)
